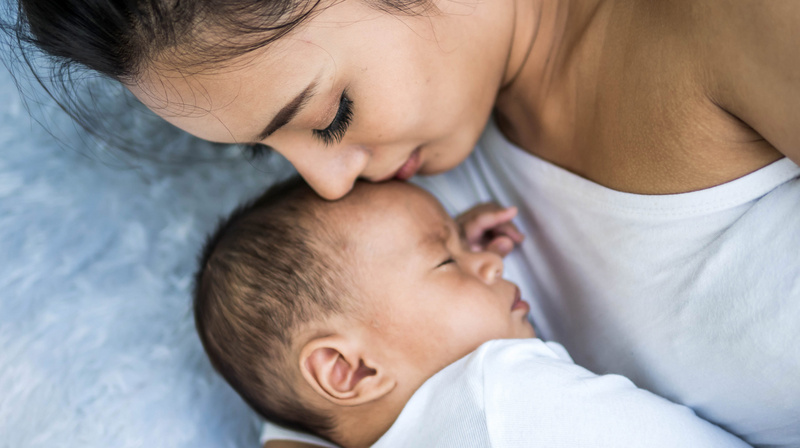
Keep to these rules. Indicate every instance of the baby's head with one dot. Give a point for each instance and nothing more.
(327, 316)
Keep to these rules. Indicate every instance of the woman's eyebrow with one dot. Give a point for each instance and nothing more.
(289, 111)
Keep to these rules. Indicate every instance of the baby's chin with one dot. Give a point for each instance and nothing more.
(528, 332)
(523, 330)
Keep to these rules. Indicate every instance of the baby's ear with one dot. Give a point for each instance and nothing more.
(337, 369)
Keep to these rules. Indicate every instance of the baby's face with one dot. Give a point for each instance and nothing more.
(426, 297)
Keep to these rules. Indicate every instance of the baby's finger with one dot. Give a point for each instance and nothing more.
(510, 230)
(475, 228)
(501, 245)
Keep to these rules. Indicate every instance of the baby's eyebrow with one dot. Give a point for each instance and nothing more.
(437, 237)
(462, 235)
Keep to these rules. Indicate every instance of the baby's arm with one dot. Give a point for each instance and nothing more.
(536, 396)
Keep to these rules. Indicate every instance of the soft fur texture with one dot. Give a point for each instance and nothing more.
(97, 252)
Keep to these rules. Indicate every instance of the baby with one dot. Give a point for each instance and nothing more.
(367, 321)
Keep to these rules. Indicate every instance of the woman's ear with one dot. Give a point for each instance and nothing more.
(338, 370)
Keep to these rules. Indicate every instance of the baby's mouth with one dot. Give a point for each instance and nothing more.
(518, 302)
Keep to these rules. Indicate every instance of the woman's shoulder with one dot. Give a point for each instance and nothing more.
(693, 94)
(748, 50)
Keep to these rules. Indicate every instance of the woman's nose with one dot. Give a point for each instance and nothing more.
(487, 266)
(330, 171)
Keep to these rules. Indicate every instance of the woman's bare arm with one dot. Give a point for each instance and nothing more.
(754, 48)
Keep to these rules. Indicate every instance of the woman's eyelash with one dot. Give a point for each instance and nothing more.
(448, 261)
(336, 130)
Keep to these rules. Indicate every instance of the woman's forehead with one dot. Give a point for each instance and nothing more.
(322, 35)
(232, 103)
(282, 66)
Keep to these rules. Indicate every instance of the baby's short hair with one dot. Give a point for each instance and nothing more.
(262, 274)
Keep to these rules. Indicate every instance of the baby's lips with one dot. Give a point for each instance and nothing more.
(519, 304)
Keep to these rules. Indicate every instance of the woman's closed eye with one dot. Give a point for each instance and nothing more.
(336, 130)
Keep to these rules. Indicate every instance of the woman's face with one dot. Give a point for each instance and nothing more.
(352, 93)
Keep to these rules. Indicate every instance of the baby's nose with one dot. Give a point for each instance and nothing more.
(489, 266)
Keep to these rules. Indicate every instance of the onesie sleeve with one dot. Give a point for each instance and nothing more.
(535, 396)
(271, 431)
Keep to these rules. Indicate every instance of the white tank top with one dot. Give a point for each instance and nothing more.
(694, 296)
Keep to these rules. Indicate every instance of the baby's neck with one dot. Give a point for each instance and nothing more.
(362, 426)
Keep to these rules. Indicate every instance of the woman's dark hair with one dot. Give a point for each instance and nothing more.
(121, 38)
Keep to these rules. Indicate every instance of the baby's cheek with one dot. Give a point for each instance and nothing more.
(489, 327)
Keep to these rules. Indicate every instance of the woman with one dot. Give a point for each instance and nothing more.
(652, 148)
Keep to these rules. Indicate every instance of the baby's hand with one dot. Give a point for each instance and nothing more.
(488, 227)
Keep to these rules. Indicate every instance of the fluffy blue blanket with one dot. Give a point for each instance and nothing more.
(97, 253)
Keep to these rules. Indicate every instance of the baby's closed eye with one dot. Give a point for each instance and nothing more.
(445, 262)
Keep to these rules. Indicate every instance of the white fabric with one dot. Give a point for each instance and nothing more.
(526, 393)
(694, 296)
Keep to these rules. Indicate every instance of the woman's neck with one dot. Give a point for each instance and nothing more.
(537, 31)
(547, 47)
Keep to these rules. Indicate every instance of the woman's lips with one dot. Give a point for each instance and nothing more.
(410, 167)
(518, 302)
